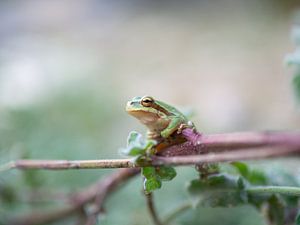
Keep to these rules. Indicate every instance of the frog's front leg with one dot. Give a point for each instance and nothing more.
(172, 127)
(153, 135)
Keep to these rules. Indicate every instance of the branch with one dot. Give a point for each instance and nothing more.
(198, 149)
(264, 145)
(242, 154)
(203, 143)
(102, 188)
(249, 154)
(68, 164)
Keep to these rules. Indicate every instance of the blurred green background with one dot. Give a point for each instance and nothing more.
(67, 69)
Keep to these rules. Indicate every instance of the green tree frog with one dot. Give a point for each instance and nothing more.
(164, 122)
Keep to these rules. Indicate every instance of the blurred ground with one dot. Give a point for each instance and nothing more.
(67, 69)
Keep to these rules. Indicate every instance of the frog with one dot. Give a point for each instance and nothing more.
(165, 123)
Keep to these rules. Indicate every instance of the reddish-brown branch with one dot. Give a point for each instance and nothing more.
(203, 143)
(229, 146)
(100, 189)
(244, 154)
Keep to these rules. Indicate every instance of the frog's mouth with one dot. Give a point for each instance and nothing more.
(144, 116)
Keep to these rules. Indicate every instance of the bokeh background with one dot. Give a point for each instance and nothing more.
(67, 69)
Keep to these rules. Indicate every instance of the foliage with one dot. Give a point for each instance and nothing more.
(227, 190)
(142, 150)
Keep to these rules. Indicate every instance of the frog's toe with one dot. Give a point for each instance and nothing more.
(181, 128)
(153, 135)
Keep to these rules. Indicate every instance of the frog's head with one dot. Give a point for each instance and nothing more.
(144, 109)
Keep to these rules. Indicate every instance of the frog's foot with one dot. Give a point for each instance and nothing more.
(153, 135)
(184, 126)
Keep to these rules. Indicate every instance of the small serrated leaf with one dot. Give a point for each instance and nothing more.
(151, 184)
(166, 173)
(241, 167)
(217, 191)
(148, 172)
(136, 145)
(135, 139)
(195, 187)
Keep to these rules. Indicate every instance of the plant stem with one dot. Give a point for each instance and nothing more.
(243, 154)
(68, 164)
(152, 210)
(294, 191)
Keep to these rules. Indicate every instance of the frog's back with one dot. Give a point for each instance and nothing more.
(172, 110)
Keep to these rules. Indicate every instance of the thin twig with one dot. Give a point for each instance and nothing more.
(152, 210)
(68, 164)
(102, 187)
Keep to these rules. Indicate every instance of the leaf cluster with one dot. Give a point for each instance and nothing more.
(141, 150)
(228, 190)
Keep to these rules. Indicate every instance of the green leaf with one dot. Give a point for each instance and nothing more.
(252, 176)
(241, 167)
(217, 190)
(133, 138)
(148, 172)
(151, 184)
(297, 221)
(257, 177)
(136, 145)
(165, 173)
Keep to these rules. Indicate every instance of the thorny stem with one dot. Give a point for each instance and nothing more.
(152, 210)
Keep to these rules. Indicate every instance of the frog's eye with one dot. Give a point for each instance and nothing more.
(147, 101)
